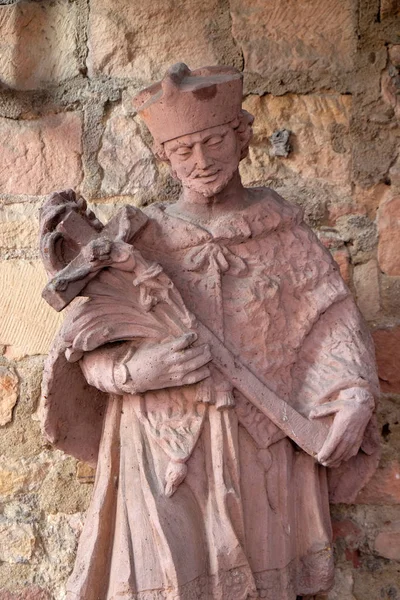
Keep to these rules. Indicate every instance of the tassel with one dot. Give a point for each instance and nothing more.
(176, 473)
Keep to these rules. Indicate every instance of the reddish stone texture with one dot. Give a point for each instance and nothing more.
(30, 593)
(348, 531)
(366, 283)
(384, 487)
(40, 155)
(48, 31)
(296, 36)
(341, 256)
(387, 542)
(153, 35)
(389, 236)
(387, 346)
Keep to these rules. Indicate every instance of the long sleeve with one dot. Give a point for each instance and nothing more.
(104, 368)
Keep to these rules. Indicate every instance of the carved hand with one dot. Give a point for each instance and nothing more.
(352, 411)
(172, 363)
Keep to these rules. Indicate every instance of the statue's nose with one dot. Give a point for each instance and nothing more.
(203, 160)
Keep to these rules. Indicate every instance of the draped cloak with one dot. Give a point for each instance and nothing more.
(250, 514)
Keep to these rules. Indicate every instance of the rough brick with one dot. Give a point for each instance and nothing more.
(295, 36)
(8, 394)
(197, 33)
(389, 236)
(48, 30)
(387, 542)
(40, 155)
(368, 200)
(27, 323)
(16, 542)
(31, 593)
(311, 120)
(19, 226)
(366, 283)
(127, 163)
(384, 487)
(342, 257)
(387, 346)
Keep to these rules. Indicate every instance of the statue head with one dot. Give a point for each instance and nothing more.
(198, 124)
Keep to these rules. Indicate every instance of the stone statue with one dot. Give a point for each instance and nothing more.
(213, 365)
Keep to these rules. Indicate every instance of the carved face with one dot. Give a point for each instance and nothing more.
(205, 161)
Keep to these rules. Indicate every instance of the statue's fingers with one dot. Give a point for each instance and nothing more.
(196, 363)
(190, 353)
(324, 410)
(332, 441)
(182, 342)
(196, 376)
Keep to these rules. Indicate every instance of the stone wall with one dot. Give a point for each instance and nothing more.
(327, 71)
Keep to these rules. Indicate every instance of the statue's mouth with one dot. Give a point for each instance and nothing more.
(208, 177)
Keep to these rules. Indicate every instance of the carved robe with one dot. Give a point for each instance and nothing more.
(249, 516)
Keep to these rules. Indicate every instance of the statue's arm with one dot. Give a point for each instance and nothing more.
(128, 368)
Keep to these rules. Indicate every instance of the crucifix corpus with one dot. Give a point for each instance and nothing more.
(212, 364)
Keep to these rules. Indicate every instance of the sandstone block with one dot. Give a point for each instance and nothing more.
(342, 257)
(389, 236)
(384, 487)
(40, 155)
(387, 346)
(127, 162)
(19, 226)
(85, 473)
(368, 200)
(29, 593)
(387, 542)
(38, 43)
(27, 323)
(312, 120)
(8, 394)
(140, 40)
(17, 542)
(389, 8)
(295, 36)
(366, 283)
(21, 476)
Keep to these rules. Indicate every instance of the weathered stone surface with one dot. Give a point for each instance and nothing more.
(295, 36)
(389, 236)
(366, 283)
(40, 155)
(17, 541)
(342, 589)
(19, 226)
(368, 200)
(387, 542)
(312, 119)
(8, 394)
(378, 583)
(19, 477)
(27, 323)
(384, 487)
(387, 346)
(389, 8)
(342, 257)
(61, 490)
(31, 593)
(197, 33)
(48, 30)
(127, 163)
(85, 473)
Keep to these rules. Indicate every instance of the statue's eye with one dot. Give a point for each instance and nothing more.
(214, 140)
(183, 151)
